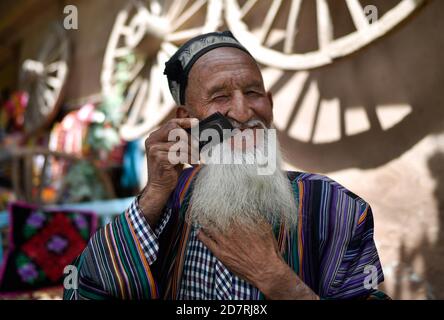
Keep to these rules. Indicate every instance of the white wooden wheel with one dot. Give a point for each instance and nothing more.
(44, 79)
(144, 36)
(273, 41)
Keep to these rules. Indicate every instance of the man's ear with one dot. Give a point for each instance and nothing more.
(182, 112)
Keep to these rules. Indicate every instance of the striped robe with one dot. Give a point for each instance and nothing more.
(329, 251)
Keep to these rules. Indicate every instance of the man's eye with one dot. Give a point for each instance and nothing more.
(252, 93)
(220, 98)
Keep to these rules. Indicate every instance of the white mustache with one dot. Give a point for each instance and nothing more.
(224, 195)
(246, 125)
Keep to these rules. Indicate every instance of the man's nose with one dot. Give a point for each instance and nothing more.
(239, 109)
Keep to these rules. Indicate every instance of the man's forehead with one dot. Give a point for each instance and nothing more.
(231, 80)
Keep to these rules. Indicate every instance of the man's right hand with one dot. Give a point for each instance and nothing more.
(162, 174)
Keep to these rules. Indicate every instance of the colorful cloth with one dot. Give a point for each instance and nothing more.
(69, 135)
(132, 162)
(329, 251)
(15, 110)
(42, 243)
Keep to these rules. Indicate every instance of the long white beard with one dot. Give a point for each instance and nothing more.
(228, 194)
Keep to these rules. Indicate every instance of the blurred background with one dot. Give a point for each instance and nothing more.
(358, 96)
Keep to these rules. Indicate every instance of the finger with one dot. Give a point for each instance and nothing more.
(186, 122)
(179, 152)
(162, 146)
(189, 150)
(158, 152)
(161, 159)
(172, 146)
(183, 151)
(161, 134)
(215, 234)
(178, 124)
(208, 242)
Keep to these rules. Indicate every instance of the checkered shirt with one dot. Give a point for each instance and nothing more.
(204, 276)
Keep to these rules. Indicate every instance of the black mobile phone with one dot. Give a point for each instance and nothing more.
(215, 121)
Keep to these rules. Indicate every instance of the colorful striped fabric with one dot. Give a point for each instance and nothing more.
(334, 241)
(330, 250)
(114, 265)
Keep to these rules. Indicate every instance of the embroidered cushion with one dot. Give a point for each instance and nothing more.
(42, 243)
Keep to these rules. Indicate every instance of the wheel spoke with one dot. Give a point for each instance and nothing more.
(269, 19)
(167, 99)
(302, 124)
(188, 14)
(247, 7)
(48, 48)
(48, 95)
(166, 7)
(54, 55)
(325, 26)
(152, 103)
(328, 116)
(122, 52)
(176, 8)
(135, 70)
(137, 27)
(126, 31)
(62, 71)
(184, 35)
(357, 14)
(292, 25)
(132, 91)
(53, 67)
(275, 36)
(54, 82)
(42, 104)
(155, 7)
(138, 4)
(169, 48)
(138, 102)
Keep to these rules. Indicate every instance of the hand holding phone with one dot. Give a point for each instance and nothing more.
(215, 121)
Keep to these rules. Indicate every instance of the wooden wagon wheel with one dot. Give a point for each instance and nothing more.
(144, 36)
(272, 41)
(44, 79)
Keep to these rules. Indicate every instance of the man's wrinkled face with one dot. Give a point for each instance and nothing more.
(229, 81)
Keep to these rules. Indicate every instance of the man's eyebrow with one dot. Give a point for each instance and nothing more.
(255, 84)
(222, 86)
(216, 88)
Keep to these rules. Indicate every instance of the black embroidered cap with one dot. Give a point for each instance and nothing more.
(179, 65)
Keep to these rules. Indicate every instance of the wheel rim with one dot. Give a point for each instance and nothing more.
(44, 79)
(328, 48)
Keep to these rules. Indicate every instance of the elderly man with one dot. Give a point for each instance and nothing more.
(221, 231)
